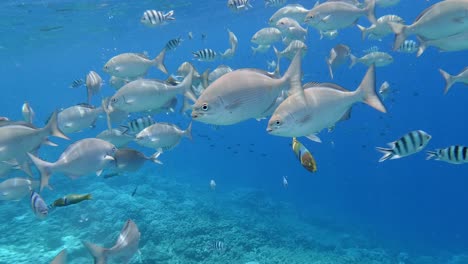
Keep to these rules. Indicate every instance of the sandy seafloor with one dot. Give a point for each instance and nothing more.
(180, 223)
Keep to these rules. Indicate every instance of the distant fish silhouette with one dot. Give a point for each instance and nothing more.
(134, 191)
(125, 247)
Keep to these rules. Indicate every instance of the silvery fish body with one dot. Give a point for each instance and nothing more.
(38, 206)
(152, 18)
(162, 136)
(93, 84)
(329, 34)
(321, 106)
(261, 48)
(408, 144)
(455, 42)
(295, 46)
(441, 20)
(85, 156)
(384, 90)
(118, 82)
(377, 58)
(147, 94)
(132, 160)
(134, 65)
(15, 189)
(381, 28)
(117, 137)
(266, 36)
(125, 247)
(454, 154)
(294, 11)
(218, 72)
(291, 29)
(338, 55)
(233, 42)
(451, 79)
(77, 118)
(336, 15)
(243, 94)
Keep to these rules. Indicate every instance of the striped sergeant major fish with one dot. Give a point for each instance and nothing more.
(77, 83)
(136, 125)
(38, 205)
(275, 3)
(173, 43)
(152, 18)
(205, 55)
(408, 144)
(454, 154)
(238, 5)
(408, 46)
(219, 246)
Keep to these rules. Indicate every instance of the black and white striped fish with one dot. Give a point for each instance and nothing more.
(173, 43)
(408, 144)
(152, 18)
(275, 3)
(136, 125)
(408, 46)
(38, 205)
(237, 5)
(219, 246)
(454, 154)
(77, 83)
(205, 55)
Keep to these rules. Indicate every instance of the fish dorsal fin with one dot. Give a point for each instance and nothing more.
(86, 105)
(327, 85)
(423, 13)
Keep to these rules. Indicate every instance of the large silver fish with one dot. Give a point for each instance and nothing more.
(291, 29)
(455, 42)
(243, 94)
(266, 36)
(125, 247)
(381, 28)
(294, 11)
(162, 136)
(15, 189)
(78, 117)
(86, 156)
(443, 19)
(377, 58)
(133, 65)
(336, 15)
(115, 136)
(451, 79)
(321, 106)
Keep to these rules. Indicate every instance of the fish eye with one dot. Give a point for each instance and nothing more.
(204, 107)
(114, 149)
(114, 100)
(277, 122)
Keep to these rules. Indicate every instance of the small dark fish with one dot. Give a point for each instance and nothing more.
(77, 83)
(203, 36)
(173, 43)
(134, 191)
(48, 29)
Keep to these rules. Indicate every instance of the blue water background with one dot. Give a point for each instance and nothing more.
(410, 204)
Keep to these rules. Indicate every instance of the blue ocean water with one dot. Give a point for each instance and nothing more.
(353, 210)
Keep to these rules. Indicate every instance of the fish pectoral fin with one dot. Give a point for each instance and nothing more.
(49, 143)
(326, 19)
(233, 105)
(99, 172)
(314, 138)
(109, 158)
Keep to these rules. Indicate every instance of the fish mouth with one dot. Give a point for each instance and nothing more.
(269, 130)
(195, 115)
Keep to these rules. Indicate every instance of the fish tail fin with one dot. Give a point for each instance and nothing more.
(45, 168)
(99, 253)
(363, 31)
(400, 31)
(293, 75)
(449, 80)
(53, 127)
(354, 60)
(155, 156)
(431, 155)
(370, 8)
(88, 196)
(204, 78)
(330, 69)
(105, 107)
(169, 15)
(188, 131)
(158, 62)
(422, 47)
(388, 153)
(367, 92)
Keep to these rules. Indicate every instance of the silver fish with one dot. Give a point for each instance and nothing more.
(205, 55)
(381, 28)
(377, 58)
(162, 136)
(451, 79)
(408, 144)
(329, 34)
(294, 11)
(297, 115)
(152, 18)
(455, 42)
(38, 206)
(134, 65)
(266, 36)
(233, 42)
(61, 257)
(291, 29)
(130, 160)
(384, 90)
(125, 247)
(85, 156)
(93, 84)
(115, 136)
(296, 46)
(15, 189)
(118, 82)
(336, 15)
(261, 48)
(218, 72)
(454, 154)
(28, 112)
(78, 117)
(338, 55)
(243, 94)
(441, 20)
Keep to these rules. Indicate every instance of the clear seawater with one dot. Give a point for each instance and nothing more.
(353, 210)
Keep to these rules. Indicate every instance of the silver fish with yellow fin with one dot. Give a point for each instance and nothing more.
(304, 155)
